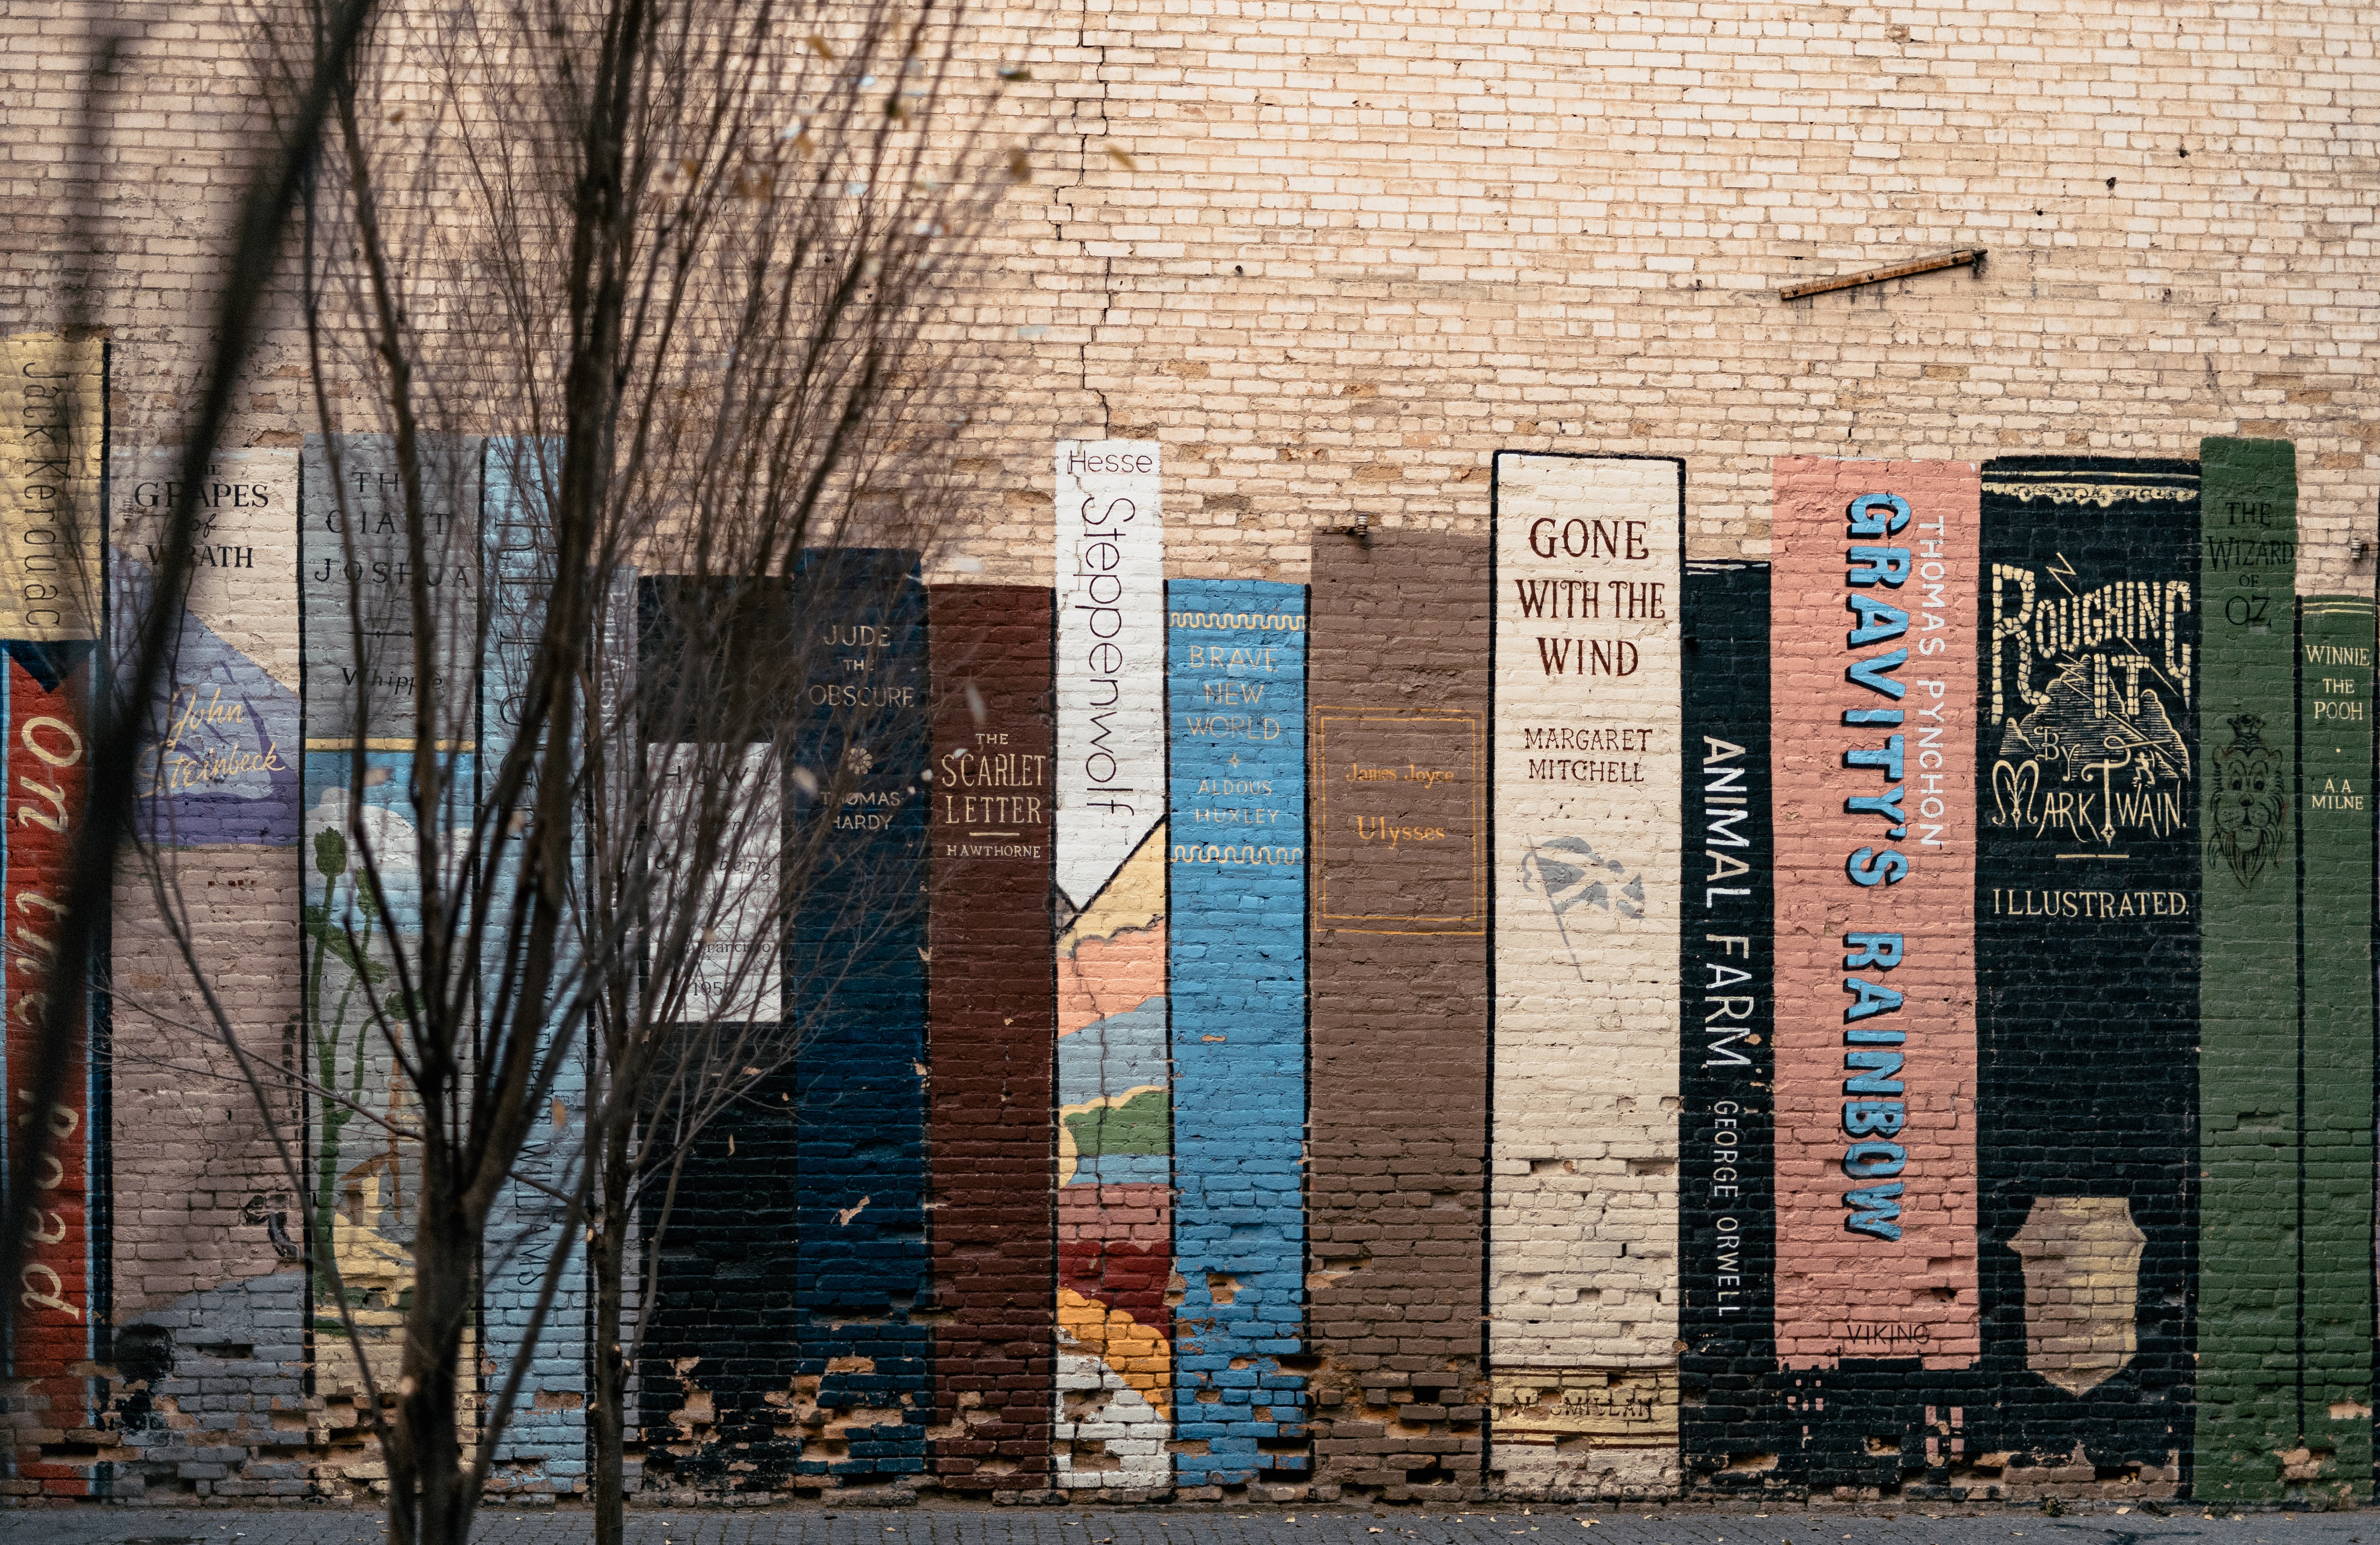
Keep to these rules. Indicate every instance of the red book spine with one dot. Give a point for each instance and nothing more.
(48, 772)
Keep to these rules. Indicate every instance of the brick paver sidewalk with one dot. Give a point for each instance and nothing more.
(1537, 1525)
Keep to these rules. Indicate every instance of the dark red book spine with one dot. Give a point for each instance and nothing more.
(991, 1025)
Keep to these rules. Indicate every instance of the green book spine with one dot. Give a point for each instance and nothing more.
(2334, 651)
(2250, 1069)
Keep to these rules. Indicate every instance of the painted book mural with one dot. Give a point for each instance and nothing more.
(2333, 1129)
(2251, 1107)
(1117, 1287)
(1235, 697)
(545, 1443)
(372, 686)
(2086, 907)
(856, 979)
(1585, 869)
(1872, 668)
(224, 767)
(1868, 1151)
(1727, 1055)
(218, 818)
(1889, 1011)
(1398, 685)
(993, 1023)
(52, 445)
(720, 1349)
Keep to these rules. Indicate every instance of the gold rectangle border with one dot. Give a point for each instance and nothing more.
(1475, 721)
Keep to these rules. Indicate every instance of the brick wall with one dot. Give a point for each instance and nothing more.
(1327, 266)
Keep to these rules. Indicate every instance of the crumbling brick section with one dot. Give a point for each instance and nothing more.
(209, 1400)
(1397, 687)
(207, 1393)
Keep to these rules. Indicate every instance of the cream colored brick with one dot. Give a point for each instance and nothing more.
(1400, 238)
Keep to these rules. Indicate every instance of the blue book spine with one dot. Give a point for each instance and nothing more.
(1235, 710)
(856, 979)
(545, 1448)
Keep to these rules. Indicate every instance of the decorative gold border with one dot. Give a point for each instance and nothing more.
(1475, 721)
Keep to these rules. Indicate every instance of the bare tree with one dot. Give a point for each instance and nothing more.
(621, 325)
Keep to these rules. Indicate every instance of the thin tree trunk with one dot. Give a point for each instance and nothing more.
(608, 1415)
(426, 1468)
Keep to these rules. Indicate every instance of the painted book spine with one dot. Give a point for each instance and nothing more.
(1397, 767)
(48, 761)
(1583, 1269)
(363, 701)
(857, 967)
(2250, 1052)
(720, 1350)
(218, 791)
(220, 769)
(2087, 913)
(1728, 942)
(1235, 684)
(1111, 553)
(1114, 1114)
(544, 1447)
(53, 472)
(2334, 933)
(1874, 682)
(991, 1020)
(53, 448)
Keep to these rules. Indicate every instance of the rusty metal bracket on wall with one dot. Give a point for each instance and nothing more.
(1966, 257)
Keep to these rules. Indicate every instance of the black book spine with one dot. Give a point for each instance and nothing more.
(1726, 1195)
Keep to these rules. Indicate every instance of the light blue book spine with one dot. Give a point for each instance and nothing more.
(1235, 712)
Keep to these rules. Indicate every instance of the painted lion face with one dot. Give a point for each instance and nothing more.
(2249, 807)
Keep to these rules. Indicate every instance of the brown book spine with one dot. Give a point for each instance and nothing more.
(1398, 681)
(992, 1027)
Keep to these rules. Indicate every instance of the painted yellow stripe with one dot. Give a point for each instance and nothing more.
(1141, 1357)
